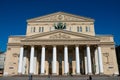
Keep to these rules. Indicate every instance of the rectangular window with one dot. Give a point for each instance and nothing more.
(33, 29)
(77, 29)
(42, 29)
(87, 29)
(39, 29)
(70, 28)
(80, 29)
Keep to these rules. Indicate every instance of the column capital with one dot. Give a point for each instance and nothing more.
(88, 45)
(43, 45)
(54, 45)
(32, 45)
(65, 45)
(76, 45)
(98, 45)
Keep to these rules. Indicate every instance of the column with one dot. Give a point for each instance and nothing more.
(32, 60)
(35, 62)
(24, 62)
(96, 62)
(89, 61)
(100, 60)
(65, 59)
(86, 69)
(54, 60)
(77, 60)
(43, 60)
(20, 60)
(85, 61)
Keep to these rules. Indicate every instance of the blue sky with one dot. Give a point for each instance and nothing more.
(14, 13)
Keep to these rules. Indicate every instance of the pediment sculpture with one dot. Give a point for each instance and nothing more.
(59, 36)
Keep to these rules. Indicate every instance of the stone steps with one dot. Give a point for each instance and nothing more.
(60, 78)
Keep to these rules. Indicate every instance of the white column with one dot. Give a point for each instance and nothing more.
(100, 60)
(35, 62)
(24, 62)
(32, 60)
(43, 60)
(77, 60)
(89, 60)
(20, 60)
(65, 59)
(86, 69)
(54, 60)
(96, 62)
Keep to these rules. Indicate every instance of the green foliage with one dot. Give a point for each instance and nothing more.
(60, 26)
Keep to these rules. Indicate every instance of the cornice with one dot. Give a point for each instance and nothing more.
(62, 31)
(61, 13)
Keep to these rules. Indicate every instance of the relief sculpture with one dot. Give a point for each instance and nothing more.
(59, 36)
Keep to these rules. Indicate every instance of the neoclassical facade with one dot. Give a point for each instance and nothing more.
(60, 44)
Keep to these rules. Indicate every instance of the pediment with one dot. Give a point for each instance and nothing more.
(61, 35)
(60, 16)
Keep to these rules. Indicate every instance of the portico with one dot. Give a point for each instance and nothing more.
(55, 60)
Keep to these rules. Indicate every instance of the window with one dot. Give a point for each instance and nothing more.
(87, 29)
(39, 29)
(42, 29)
(70, 28)
(79, 29)
(33, 29)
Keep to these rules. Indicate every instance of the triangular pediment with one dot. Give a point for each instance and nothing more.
(61, 35)
(60, 16)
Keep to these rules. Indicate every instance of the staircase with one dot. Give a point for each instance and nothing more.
(38, 77)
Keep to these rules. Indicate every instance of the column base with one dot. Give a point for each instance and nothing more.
(101, 73)
(77, 74)
(19, 73)
(89, 74)
(42, 73)
(54, 74)
(66, 74)
(31, 73)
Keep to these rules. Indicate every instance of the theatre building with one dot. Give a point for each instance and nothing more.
(60, 44)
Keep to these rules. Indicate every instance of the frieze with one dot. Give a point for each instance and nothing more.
(59, 36)
(59, 42)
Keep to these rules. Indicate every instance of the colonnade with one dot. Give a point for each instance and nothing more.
(66, 66)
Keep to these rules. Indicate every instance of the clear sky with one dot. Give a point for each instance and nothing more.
(14, 13)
